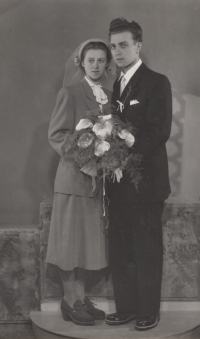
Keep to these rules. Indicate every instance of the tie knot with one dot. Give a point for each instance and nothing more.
(123, 83)
(123, 79)
(122, 76)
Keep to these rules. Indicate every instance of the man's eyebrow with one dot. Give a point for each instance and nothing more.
(119, 43)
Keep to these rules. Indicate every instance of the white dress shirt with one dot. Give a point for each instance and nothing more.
(125, 77)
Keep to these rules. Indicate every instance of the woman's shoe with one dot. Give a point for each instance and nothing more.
(93, 311)
(76, 314)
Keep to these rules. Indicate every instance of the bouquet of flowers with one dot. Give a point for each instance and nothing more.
(100, 146)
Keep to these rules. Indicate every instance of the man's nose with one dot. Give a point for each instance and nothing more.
(117, 51)
(96, 64)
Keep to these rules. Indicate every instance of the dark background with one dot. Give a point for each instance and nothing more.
(36, 39)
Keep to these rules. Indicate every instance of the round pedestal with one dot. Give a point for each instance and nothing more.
(50, 325)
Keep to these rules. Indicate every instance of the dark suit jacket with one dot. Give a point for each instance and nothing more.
(71, 105)
(152, 117)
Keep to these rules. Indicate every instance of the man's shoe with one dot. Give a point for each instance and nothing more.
(147, 322)
(93, 311)
(76, 314)
(119, 318)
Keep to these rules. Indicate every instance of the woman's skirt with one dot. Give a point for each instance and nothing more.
(76, 238)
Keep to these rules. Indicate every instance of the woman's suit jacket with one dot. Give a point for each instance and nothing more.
(71, 105)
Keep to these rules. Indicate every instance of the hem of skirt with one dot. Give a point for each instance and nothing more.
(90, 268)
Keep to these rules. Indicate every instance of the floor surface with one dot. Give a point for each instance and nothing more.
(47, 325)
(16, 331)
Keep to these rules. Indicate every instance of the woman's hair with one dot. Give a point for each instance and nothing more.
(95, 45)
(122, 25)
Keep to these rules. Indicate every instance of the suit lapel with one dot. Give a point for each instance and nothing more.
(117, 89)
(131, 86)
(88, 95)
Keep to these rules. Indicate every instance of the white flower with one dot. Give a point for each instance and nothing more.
(102, 130)
(118, 174)
(85, 140)
(127, 136)
(101, 146)
(123, 133)
(84, 123)
(130, 140)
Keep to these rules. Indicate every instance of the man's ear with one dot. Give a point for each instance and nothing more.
(82, 64)
(139, 46)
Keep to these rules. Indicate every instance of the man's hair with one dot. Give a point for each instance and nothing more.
(120, 25)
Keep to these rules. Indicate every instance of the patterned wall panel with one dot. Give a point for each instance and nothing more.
(181, 225)
(175, 143)
(19, 274)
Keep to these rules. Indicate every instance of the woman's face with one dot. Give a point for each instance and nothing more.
(95, 63)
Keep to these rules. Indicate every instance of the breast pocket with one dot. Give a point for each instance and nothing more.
(136, 113)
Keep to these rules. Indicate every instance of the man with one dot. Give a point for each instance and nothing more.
(143, 97)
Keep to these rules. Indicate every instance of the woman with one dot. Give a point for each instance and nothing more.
(76, 240)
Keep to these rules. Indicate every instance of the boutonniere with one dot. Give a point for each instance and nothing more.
(121, 104)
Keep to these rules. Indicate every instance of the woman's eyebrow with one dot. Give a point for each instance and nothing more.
(92, 58)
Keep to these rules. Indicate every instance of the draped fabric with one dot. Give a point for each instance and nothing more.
(100, 95)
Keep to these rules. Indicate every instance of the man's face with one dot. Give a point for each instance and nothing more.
(125, 50)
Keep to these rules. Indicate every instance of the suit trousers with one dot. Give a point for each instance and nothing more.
(136, 256)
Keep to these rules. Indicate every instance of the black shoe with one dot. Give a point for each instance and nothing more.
(93, 311)
(76, 314)
(119, 318)
(147, 322)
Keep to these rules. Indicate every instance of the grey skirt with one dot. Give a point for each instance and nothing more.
(76, 238)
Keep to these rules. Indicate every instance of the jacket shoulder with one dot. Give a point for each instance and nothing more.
(155, 76)
(71, 88)
(69, 92)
